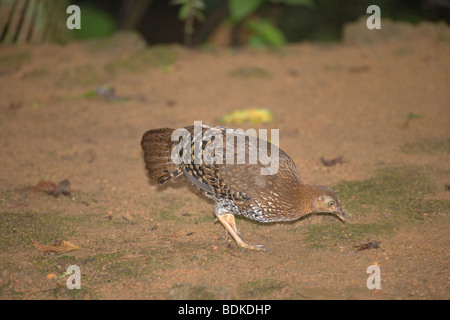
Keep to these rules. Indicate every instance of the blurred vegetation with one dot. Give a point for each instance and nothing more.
(194, 22)
(95, 23)
(257, 22)
(190, 11)
(33, 21)
(263, 31)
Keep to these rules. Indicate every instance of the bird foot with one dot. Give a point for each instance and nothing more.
(230, 225)
(258, 247)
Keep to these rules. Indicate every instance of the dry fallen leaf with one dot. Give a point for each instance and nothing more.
(58, 247)
(51, 188)
(369, 245)
(51, 276)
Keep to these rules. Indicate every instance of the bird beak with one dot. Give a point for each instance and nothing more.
(341, 215)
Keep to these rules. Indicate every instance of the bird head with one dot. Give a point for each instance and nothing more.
(326, 200)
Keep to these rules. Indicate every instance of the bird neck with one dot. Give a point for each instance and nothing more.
(304, 199)
(298, 201)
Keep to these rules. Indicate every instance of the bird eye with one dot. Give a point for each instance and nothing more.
(331, 203)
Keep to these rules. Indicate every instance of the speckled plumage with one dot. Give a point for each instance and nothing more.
(238, 189)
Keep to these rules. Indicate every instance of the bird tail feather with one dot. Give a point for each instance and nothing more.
(157, 146)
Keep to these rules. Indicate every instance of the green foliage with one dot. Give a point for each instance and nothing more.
(189, 11)
(413, 115)
(264, 33)
(190, 7)
(240, 9)
(33, 21)
(95, 23)
(306, 3)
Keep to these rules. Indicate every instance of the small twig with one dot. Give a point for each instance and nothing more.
(331, 162)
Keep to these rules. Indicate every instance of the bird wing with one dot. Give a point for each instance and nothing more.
(196, 179)
(238, 182)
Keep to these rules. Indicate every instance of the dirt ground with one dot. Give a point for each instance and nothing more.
(384, 107)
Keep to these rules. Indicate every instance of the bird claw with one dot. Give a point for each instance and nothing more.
(258, 247)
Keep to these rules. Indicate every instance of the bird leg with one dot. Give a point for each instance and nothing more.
(229, 223)
(227, 219)
(232, 222)
(230, 219)
(226, 231)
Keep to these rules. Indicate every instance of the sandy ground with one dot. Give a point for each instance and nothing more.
(384, 107)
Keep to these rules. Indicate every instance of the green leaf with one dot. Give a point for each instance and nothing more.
(177, 2)
(199, 16)
(256, 42)
(306, 3)
(265, 33)
(239, 9)
(198, 4)
(183, 13)
(95, 24)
